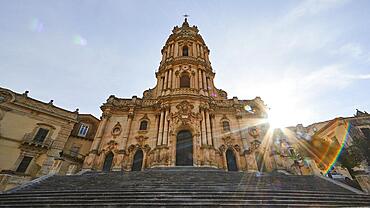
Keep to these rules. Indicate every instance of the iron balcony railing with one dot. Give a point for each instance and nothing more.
(73, 155)
(30, 139)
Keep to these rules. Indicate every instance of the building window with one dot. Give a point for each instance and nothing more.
(226, 126)
(366, 132)
(24, 164)
(75, 150)
(41, 135)
(82, 132)
(185, 51)
(143, 125)
(185, 81)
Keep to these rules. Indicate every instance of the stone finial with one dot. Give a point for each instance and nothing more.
(185, 23)
(25, 94)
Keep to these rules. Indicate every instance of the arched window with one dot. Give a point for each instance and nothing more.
(185, 81)
(185, 51)
(226, 126)
(143, 125)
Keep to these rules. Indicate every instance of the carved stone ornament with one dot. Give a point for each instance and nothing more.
(254, 132)
(110, 146)
(185, 115)
(223, 147)
(141, 139)
(148, 94)
(255, 144)
(228, 140)
(5, 96)
(117, 130)
(132, 148)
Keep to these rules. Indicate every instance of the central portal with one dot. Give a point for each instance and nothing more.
(184, 148)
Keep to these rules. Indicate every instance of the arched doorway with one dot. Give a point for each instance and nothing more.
(231, 161)
(108, 161)
(184, 148)
(137, 164)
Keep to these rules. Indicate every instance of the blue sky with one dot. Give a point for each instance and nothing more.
(309, 60)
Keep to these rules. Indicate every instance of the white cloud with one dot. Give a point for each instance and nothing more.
(313, 7)
(353, 50)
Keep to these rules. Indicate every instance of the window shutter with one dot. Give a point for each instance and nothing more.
(24, 164)
(41, 135)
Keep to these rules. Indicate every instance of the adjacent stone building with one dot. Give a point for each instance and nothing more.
(325, 142)
(36, 139)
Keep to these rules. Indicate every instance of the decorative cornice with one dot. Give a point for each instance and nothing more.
(185, 60)
(22, 100)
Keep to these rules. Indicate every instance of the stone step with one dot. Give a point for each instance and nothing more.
(183, 186)
(184, 192)
(83, 197)
(182, 201)
(176, 205)
(176, 191)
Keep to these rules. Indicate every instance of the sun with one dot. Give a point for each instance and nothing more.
(275, 119)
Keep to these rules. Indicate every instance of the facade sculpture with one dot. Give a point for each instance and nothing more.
(183, 120)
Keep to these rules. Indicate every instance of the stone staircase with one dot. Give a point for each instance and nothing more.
(183, 186)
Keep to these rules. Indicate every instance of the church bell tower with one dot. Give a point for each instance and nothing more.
(185, 65)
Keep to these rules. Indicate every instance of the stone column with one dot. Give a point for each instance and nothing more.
(170, 79)
(165, 80)
(210, 83)
(160, 85)
(208, 122)
(201, 52)
(206, 56)
(205, 83)
(163, 55)
(154, 140)
(100, 132)
(127, 130)
(174, 80)
(168, 52)
(194, 54)
(165, 132)
(200, 78)
(242, 134)
(160, 134)
(213, 122)
(204, 138)
(176, 49)
(196, 80)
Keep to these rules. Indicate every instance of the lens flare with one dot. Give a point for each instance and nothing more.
(339, 150)
(79, 40)
(36, 25)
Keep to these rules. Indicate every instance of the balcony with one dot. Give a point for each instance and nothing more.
(30, 140)
(73, 155)
(185, 91)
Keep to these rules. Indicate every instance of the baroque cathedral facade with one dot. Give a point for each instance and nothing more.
(183, 121)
